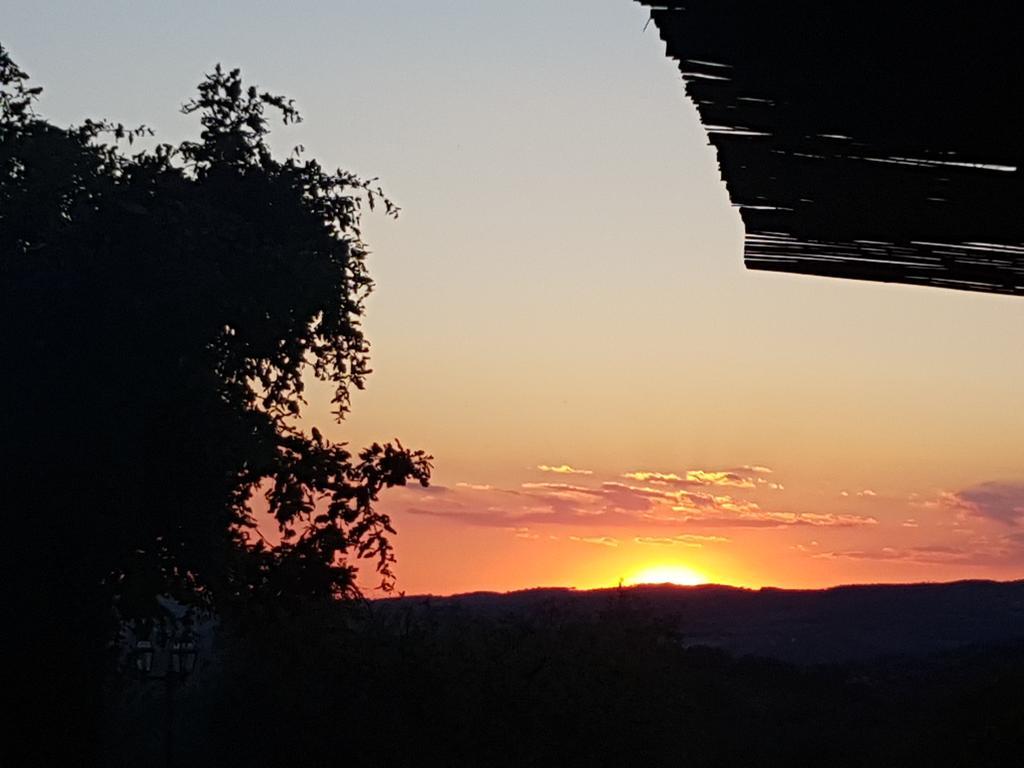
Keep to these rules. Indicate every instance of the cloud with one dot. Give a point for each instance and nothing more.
(867, 492)
(563, 469)
(430, 490)
(926, 555)
(762, 519)
(1004, 550)
(707, 539)
(604, 541)
(699, 500)
(747, 476)
(667, 541)
(475, 486)
(655, 501)
(562, 487)
(627, 506)
(809, 547)
(1002, 502)
(686, 540)
(693, 478)
(525, 533)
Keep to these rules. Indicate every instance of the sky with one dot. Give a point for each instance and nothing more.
(562, 317)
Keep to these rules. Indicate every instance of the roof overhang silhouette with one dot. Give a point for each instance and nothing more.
(869, 140)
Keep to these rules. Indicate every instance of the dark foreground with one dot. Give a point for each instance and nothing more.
(609, 678)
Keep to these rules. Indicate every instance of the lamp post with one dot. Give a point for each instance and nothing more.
(180, 662)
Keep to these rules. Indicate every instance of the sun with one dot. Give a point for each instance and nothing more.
(667, 574)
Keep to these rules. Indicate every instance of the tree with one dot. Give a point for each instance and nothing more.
(161, 308)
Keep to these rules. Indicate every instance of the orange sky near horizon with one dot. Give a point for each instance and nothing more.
(735, 527)
(562, 316)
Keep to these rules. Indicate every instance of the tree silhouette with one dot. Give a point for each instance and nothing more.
(162, 307)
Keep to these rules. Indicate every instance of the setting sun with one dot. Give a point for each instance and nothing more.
(668, 574)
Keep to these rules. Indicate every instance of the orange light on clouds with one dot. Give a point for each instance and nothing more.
(668, 574)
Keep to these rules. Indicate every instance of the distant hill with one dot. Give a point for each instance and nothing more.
(850, 623)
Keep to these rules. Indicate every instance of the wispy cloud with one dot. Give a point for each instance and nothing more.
(686, 540)
(622, 505)
(994, 501)
(810, 547)
(475, 486)
(692, 478)
(604, 541)
(938, 554)
(763, 519)
(747, 476)
(525, 533)
(429, 490)
(931, 554)
(1002, 502)
(1001, 550)
(563, 469)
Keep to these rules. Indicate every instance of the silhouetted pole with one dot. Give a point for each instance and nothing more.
(181, 662)
(170, 679)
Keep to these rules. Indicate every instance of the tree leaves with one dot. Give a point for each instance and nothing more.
(165, 307)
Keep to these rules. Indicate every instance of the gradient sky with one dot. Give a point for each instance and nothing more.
(565, 290)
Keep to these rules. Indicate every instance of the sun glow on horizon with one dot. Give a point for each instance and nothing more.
(668, 574)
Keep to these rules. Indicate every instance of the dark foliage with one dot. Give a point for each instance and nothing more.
(161, 309)
(609, 688)
(841, 624)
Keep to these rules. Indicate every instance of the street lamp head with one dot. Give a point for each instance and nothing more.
(183, 657)
(143, 657)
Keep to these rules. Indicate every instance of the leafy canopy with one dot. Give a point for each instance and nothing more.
(162, 308)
